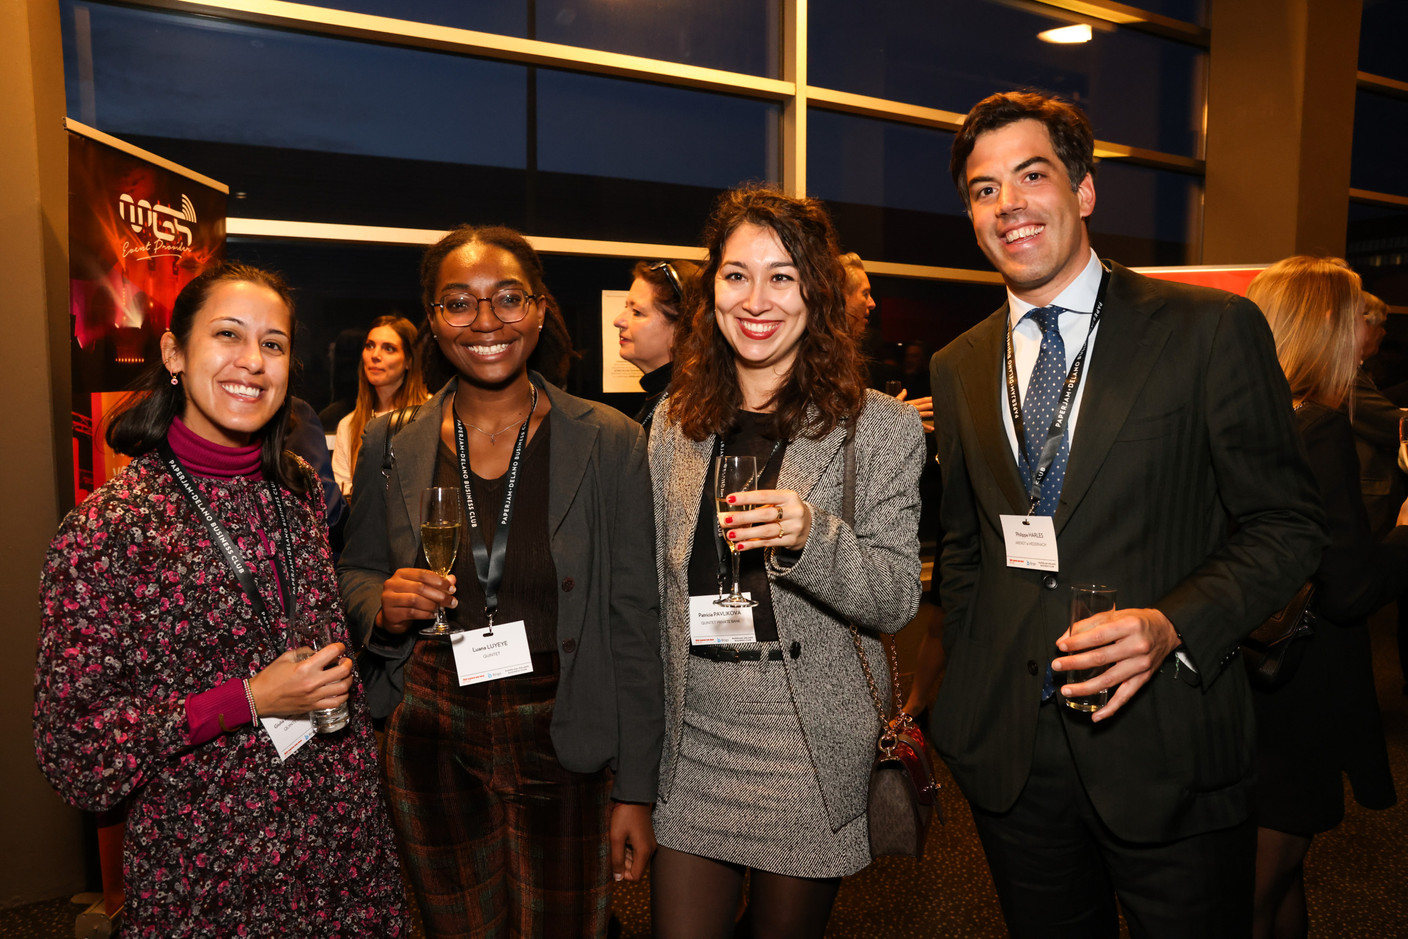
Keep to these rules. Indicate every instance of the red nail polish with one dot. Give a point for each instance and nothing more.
(728, 519)
(732, 500)
(732, 535)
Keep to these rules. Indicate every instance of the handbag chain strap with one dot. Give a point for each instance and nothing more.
(892, 725)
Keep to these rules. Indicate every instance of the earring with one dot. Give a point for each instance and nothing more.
(173, 379)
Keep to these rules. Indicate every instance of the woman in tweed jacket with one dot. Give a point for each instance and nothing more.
(768, 743)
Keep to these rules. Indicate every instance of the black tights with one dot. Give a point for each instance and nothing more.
(694, 897)
(1280, 911)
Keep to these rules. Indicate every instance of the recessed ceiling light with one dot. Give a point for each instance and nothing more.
(1080, 32)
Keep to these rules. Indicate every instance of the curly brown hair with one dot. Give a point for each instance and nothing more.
(553, 355)
(824, 385)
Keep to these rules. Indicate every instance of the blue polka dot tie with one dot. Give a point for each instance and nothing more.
(1039, 406)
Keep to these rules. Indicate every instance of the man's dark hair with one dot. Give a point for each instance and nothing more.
(1071, 136)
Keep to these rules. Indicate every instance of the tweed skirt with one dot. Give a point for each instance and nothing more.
(745, 790)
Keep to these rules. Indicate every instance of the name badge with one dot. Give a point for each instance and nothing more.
(710, 624)
(481, 657)
(287, 734)
(1031, 541)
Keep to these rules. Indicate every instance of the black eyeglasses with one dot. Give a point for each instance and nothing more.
(510, 305)
(671, 276)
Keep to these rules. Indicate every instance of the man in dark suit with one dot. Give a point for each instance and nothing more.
(1137, 434)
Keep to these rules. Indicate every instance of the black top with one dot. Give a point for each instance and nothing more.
(654, 383)
(529, 590)
(749, 437)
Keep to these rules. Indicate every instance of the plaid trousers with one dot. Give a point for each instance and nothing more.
(499, 840)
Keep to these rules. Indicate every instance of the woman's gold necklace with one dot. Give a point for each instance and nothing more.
(494, 435)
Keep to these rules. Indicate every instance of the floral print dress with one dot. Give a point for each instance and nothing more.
(222, 839)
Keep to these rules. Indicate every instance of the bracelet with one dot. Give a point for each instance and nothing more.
(249, 696)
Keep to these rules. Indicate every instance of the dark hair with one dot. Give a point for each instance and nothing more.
(412, 390)
(142, 420)
(553, 355)
(670, 305)
(825, 385)
(1071, 136)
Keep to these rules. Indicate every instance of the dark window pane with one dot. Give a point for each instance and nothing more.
(1383, 29)
(1139, 90)
(1189, 11)
(735, 35)
(891, 194)
(1380, 142)
(1377, 247)
(320, 129)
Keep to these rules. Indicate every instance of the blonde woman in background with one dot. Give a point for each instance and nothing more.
(390, 378)
(1324, 722)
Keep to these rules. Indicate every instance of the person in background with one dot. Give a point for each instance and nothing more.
(1150, 449)
(1324, 722)
(307, 439)
(1375, 420)
(390, 378)
(770, 741)
(159, 672)
(859, 305)
(517, 799)
(660, 290)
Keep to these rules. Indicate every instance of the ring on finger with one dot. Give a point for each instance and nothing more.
(779, 513)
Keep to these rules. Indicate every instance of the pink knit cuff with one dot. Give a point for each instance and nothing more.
(205, 712)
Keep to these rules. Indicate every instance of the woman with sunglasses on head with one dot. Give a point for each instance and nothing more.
(517, 799)
(176, 602)
(769, 742)
(660, 290)
(388, 379)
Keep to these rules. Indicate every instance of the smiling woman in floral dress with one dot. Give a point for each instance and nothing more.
(156, 666)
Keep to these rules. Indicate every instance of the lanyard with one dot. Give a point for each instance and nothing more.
(234, 558)
(721, 548)
(489, 562)
(1052, 444)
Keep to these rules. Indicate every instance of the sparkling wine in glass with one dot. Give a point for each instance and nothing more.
(733, 474)
(441, 517)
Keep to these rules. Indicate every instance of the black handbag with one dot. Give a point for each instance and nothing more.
(903, 796)
(1273, 651)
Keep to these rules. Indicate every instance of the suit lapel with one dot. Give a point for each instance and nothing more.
(981, 377)
(1121, 361)
(689, 466)
(414, 451)
(806, 459)
(569, 450)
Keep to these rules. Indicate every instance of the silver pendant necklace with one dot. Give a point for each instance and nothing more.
(494, 435)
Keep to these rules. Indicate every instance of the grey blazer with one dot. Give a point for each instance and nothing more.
(609, 709)
(868, 575)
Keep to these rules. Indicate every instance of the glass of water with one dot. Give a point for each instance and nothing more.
(313, 636)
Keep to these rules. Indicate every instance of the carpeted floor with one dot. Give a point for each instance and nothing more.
(1355, 875)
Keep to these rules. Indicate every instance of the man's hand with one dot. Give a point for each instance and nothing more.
(1134, 643)
(632, 840)
(925, 407)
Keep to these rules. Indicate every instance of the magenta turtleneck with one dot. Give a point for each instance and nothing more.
(213, 460)
(225, 707)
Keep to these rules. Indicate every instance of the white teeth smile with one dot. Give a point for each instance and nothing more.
(1024, 232)
(243, 391)
(494, 349)
(758, 330)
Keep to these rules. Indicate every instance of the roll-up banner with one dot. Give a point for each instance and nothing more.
(140, 227)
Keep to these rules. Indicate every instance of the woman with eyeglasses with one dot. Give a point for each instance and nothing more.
(517, 799)
(388, 379)
(659, 291)
(770, 729)
(174, 677)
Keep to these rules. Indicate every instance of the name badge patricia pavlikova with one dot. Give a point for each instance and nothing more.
(710, 624)
(491, 653)
(1030, 541)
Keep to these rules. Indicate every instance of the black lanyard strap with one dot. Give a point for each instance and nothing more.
(489, 562)
(1052, 445)
(234, 558)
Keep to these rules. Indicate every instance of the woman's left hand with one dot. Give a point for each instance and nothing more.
(632, 840)
(782, 519)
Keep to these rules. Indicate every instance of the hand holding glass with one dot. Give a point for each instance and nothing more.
(313, 636)
(733, 474)
(1086, 601)
(440, 520)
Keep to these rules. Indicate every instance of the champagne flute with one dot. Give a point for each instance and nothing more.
(441, 518)
(733, 474)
